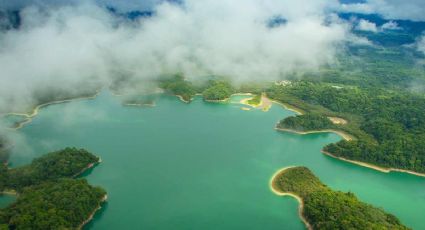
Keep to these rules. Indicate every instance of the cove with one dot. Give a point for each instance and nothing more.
(202, 165)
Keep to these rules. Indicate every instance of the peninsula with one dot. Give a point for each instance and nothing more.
(324, 208)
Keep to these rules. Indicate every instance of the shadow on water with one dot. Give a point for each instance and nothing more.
(97, 216)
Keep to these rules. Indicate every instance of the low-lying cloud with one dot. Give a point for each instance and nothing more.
(86, 43)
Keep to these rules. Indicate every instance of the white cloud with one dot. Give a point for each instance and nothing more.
(82, 43)
(391, 25)
(389, 9)
(362, 8)
(365, 25)
(121, 5)
(421, 44)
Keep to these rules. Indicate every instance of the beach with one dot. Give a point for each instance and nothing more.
(344, 135)
(280, 193)
(371, 166)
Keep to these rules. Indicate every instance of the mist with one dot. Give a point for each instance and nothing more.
(62, 47)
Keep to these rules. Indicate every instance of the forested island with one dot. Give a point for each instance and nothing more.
(69, 162)
(307, 122)
(326, 209)
(48, 196)
(177, 85)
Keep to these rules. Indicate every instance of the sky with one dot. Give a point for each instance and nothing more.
(63, 43)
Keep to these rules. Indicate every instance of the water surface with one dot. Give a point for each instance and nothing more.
(202, 165)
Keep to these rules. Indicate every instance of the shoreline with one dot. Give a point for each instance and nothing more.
(182, 99)
(374, 167)
(36, 110)
(265, 103)
(9, 192)
(139, 105)
(289, 107)
(277, 192)
(348, 137)
(89, 166)
(103, 200)
(217, 101)
(342, 134)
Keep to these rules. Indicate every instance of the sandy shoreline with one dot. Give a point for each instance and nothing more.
(89, 166)
(36, 110)
(182, 99)
(344, 135)
(347, 137)
(375, 167)
(217, 101)
(9, 192)
(265, 103)
(280, 193)
(292, 108)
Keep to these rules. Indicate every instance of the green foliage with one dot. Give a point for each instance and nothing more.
(218, 90)
(68, 162)
(4, 149)
(4, 176)
(389, 126)
(177, 85)
(61, 204)
(255, 100)
(382, 67)
(327, 209)
(48, 198)
(307, 122)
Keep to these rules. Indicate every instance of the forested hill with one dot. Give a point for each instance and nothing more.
(48, 196)
(327, 209)
(60, 204)
(307, 122)
(389, 126)
(68, 162)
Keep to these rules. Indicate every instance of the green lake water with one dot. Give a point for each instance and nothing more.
(202, 165)
(5, 200)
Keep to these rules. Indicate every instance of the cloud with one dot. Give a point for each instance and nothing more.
(365, 25)
(391, 25)
(389, 9)
(421, 44)
(71, 45)
(127, 5)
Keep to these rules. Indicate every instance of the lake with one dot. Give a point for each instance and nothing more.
(202, 165)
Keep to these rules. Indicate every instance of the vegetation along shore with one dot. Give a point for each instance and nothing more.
(324, 208)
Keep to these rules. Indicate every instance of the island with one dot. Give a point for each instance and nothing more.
(305, 123)
(324, 208)
(49, 196)
(59, 204)
(178, 86)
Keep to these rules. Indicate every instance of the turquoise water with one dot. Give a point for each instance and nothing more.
(202, 165)
(5, 200)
